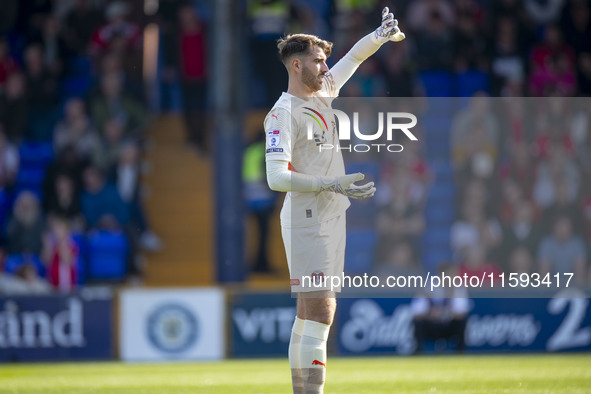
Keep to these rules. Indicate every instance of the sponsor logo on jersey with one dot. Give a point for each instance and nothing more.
(273, 138)
(316, 362)
(294, 282)
(317, 277)
(319, 135)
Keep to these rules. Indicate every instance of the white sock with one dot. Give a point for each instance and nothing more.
(294, 355)
(313, 355)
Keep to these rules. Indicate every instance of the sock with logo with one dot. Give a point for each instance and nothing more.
(313, 355)
(294, 355)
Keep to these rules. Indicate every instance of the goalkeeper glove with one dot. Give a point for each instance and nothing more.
(389, 30)
(345, 186)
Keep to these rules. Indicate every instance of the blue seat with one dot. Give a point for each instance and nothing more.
(471, 82)
(436, 237)
(5, 202)
(35, 154)
(30, 176)
(441, 215)
(81, 65)
(360, 251)
(442, 191)
(433, 257)
(107, 255)
(440, 124)
(437, 83)
(77, 86)
(14, 261)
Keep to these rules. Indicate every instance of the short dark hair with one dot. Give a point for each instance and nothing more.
(294, 44)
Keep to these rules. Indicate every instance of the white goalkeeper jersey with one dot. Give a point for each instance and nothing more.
(286, 128)
(288, 139)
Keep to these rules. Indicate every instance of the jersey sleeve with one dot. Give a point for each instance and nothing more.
(348, 64)
(279, 129)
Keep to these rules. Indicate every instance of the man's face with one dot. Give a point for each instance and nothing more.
(313, 69)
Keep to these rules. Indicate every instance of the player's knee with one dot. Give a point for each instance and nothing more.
(324, 314)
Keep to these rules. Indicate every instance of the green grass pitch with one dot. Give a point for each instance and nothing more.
(443, 374)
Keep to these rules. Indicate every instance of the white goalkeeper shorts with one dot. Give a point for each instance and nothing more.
(315, 254)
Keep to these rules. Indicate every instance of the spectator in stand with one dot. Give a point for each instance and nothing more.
(42, 92)
(76, 130)
(9, 161)
(576, 25)
(118, 31)
(112, 102)
(60, 254)
(580, 134)
(514, 10)
(26, 281)
(399, 259)
(14, 109)
(400, 78)
(80, 24)
(435, 45)
(516, 119)
(67, 163)
(63, 201)
(268, 20)
(419, 14)
(475, 157)
(113, 64)
(54, 47)
(127, 174)
(522, 232)
(475, 263)
(474, 229)
(107, 150)
(30, 18)
(562, 251)
(101, 204)
(192, 58)
(104, 209)
(519, 167)
(401, 218)
(508, 63)
(25, 228)
(41, 84)
(520, 261)
(552, 66)
(511, 199)
(564, 204)
(544, 12)
(478, 112)
(470, 45)
(7, 64)
(553, 173)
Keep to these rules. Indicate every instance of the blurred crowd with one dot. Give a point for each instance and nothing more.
(527, 47)
(508, 173)
(72, 120)
(494, 184)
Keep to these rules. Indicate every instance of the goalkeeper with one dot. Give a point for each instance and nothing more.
(313, 214)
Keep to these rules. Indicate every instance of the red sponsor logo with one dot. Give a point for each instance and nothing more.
(274, 116)
(316, 362)
(294, 282)
(275, 131)
(317, 277)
